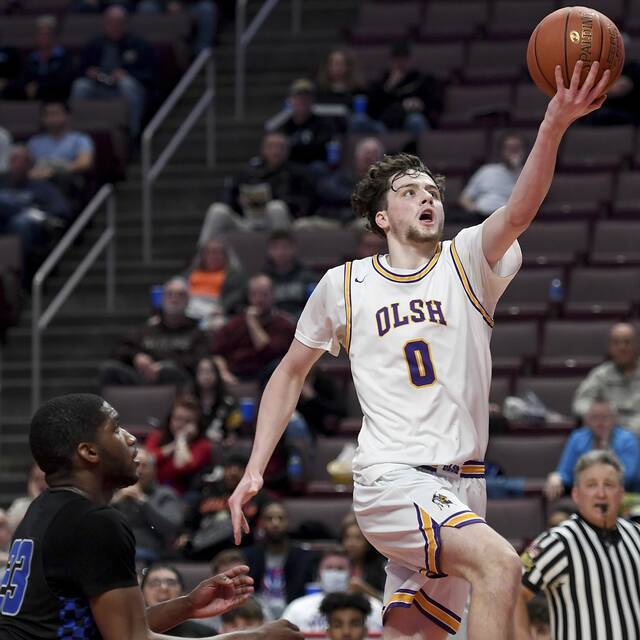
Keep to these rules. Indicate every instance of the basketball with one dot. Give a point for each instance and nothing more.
(568, 35)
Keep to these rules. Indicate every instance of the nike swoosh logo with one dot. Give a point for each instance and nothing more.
(361, 280)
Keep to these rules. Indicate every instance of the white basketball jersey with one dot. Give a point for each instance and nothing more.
(418, 343)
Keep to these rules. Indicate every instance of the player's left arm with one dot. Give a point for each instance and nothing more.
(506, 224)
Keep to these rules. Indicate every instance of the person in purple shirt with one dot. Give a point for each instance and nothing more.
(600, 432)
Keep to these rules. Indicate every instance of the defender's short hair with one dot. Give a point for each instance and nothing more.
(339, 600)
(61, 424)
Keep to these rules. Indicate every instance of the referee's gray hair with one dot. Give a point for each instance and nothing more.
(598, 456)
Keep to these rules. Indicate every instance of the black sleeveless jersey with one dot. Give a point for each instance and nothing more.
(66, 550)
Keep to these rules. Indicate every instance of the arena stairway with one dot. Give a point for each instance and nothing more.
(83, 334)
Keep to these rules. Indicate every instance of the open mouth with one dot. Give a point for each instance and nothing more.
(426, 216)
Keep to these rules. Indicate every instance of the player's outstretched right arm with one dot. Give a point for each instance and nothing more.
(278, 403)
(119, 614)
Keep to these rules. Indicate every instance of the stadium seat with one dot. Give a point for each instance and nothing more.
(78, 28)
(515, 18)
(519, 520)
(616, 242)
(500, 389)
(141, 408)
(554, 243)
(10, 253)
(327, 512)
(513, 345)
(466, 106)
(632, 21)
(527, 295)
(453, 21)
(626, 202)
(386, 22)
(529, 105)
(325, 250)
(495, 61)
(193, 573)
(497, 135)
(596, 148)
(452, 152)
(603, 292)
(249, 247)
(440, 60)
(572, 347)
(555, 393)
(613, 9)
(576, 195)
(526, 456)
(18, 31)
(21, 118)
(372, 60)
(326, 450)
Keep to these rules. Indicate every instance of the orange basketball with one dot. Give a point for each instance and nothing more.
(571, 34)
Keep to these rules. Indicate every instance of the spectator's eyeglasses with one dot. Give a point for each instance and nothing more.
(158, 582)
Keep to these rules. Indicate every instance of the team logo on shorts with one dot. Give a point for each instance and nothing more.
(440, 500)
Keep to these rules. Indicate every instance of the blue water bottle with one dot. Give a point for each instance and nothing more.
(334, 151)
(295, 472)
(556, 291)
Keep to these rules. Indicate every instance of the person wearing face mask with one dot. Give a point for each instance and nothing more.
(588, 566)
(491, 185)
(333, 576)
(163, 351)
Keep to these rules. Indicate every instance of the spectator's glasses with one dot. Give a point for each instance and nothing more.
(154, 583)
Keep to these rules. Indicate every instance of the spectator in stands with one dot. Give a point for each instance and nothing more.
(308, 133)
(30, 208)
(219, 406)
(404, 98)
(338, 79)
(180, 448)
(217, 286)
(243, 618)
(248, 344)
(165, 350)
(346, 615)
(61, 155)
(491, 185)
(600, 432)
(203, 15)
(6, 141)
(321, 402)
(265, 195)
(36, 484)
(369, 244)
(617, 379)
(162, 582)
(10, 68)
(367, 565)
(335, 187)
(117, 64)
(333, 576)
(292, 281)
(48, 69)
(5, 539)
(209, 521)
(154, 512)
(280, 569)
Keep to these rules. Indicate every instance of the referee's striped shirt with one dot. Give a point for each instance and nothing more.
(591, 579)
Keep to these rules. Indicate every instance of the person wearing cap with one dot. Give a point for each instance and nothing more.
(308, 133)
(404, 97)
(588, 566)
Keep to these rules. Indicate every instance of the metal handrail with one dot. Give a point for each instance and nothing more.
(151, 172)
(40, 319)
(245, 36)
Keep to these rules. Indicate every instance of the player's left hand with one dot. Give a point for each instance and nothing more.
(214, 596)
(577, 101)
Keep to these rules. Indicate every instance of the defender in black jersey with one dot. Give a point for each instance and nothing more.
(71, 570)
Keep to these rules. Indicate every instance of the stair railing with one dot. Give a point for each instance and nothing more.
(40, 318)
(205, 105)
(244, 36)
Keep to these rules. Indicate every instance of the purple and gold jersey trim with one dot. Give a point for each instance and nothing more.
(430, 608)
(467, 286)
(409, 277)
(462, 519)
(472, 469)
(347, 305)
(430, 531)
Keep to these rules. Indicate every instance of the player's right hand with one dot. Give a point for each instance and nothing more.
(250, 484)
(279, 630)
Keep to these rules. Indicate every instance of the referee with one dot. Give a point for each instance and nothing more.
(589, 566)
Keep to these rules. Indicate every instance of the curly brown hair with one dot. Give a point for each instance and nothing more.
(370, 194)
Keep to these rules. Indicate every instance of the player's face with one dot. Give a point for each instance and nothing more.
(347, 624)
(415, 214)
(118, 452)
(598, 493)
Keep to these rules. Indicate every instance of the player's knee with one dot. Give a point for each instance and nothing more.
(498, 563)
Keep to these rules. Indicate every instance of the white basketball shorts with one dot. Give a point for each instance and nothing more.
(402, 514)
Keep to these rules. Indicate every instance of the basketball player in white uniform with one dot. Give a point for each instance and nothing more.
(416, 324)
